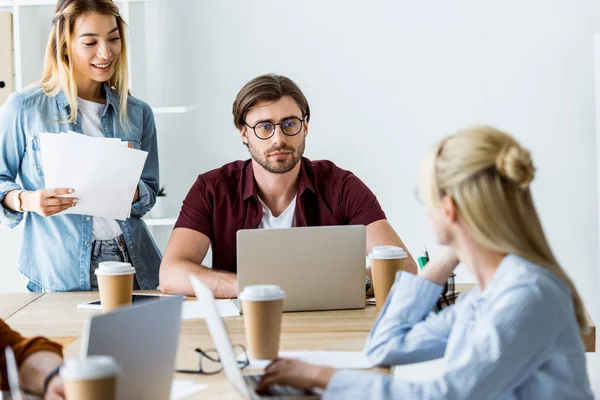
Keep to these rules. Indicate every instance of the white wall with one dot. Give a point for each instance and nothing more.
(385, 80)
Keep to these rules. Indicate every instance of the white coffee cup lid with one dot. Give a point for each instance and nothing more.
(90, 368)
(114, 268)
(262, 293)
(387, 253)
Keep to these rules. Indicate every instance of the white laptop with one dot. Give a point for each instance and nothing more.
(244, 384)
(318, 268)
(143, 341)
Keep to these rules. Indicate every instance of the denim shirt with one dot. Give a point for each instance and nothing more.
(56, 251)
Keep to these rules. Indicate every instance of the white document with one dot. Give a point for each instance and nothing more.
(182, 389)
(194, 310)
(334, 359)
(103, 171)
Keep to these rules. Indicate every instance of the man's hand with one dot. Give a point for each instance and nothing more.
(295, 373)
(46, 202)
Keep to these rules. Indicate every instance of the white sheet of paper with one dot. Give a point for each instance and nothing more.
(334, 359)
(193, 310)
(182, 389)
(103, 171)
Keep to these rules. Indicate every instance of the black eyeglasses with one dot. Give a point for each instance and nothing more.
(266, 129)
(210, 363)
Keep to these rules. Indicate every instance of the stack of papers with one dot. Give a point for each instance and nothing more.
(104, 172)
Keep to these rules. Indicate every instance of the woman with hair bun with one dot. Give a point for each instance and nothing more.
(516, 335)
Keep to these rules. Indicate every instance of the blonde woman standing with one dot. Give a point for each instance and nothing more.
(84, 88)
(517, 335)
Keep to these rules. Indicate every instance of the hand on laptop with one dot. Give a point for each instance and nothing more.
(295, 373)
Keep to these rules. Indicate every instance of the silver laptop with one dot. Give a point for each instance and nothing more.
(143, 341)
(244, 384)
(319, 268)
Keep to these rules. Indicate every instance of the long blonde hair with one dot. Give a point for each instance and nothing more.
(487, 174)
(58, 68)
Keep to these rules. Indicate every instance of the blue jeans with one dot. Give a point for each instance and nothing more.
(108, 250)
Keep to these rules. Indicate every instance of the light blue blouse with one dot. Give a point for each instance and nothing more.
(517, 339)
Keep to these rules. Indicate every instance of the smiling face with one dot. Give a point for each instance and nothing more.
(280, 153)
(95, 47)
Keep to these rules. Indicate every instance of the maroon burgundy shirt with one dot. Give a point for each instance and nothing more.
(225, 200)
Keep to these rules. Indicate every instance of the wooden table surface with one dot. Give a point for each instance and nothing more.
(11, 303)
(55, 315)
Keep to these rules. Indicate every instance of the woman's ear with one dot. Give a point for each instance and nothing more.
(449, 208)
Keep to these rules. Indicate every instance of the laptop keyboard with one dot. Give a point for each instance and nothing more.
(276, 390)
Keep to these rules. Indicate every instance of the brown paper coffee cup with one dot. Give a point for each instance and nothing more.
(115, 284)
(386, 261)
(262, 306)
(92, 378)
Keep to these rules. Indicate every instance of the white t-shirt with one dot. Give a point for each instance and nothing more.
(287, 219)
(102, 228)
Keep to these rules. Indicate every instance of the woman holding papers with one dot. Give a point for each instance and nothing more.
(84, 89)
(516, 335)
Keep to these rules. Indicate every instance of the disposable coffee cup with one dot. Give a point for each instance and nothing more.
(262, 306)
(91, 378)
(115, 283)
(386, 261)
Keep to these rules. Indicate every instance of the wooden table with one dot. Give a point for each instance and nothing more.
(11, 303)
(55, 315)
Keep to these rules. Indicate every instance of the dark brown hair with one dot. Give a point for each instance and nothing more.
(269, 87)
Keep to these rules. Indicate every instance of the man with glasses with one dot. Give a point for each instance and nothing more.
(276, 188)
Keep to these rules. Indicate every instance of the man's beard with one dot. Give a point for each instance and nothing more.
(278, 166)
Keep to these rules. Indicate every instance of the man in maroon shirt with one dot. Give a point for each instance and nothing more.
(276, 188)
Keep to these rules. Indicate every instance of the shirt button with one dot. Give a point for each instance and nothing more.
(87, 218)
(132, 246)
(87, 243)
(254, 225)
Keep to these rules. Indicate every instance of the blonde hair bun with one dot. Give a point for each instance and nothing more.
(514, 162)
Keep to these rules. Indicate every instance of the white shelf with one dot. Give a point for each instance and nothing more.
(160, 221)
(174, 109)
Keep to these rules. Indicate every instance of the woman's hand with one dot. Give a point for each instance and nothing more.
(46, 202)
(56, 389)
(295, 373)
(440, 267)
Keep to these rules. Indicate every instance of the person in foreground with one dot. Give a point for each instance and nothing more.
(37, 359)
(276, 188)
(517, 334)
